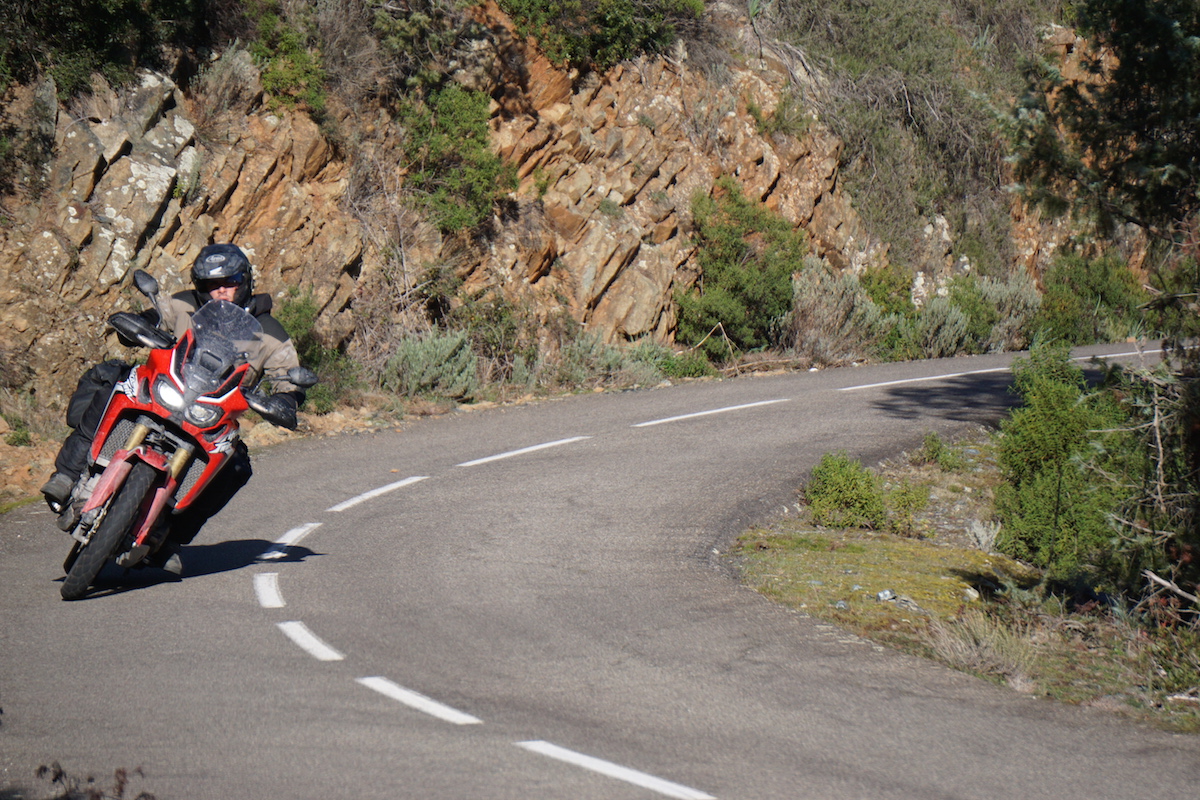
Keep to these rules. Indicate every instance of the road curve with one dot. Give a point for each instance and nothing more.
(532, 602)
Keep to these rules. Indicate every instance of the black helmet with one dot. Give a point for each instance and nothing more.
(223, 263)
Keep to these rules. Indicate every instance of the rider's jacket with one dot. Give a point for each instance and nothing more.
(275, 353)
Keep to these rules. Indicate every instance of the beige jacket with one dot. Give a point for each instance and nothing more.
(273, 358)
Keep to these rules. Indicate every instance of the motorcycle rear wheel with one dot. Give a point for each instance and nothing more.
(104, 542)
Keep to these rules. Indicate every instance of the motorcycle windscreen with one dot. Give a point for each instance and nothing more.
(224, 334)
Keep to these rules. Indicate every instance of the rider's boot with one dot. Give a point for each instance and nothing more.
(68, 464)
(167, 558)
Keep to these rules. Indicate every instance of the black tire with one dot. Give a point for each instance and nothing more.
(121, 514)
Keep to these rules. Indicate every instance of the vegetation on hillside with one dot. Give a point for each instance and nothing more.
(918, 121)
(1097, 489)
(940, 589)
(912, 88)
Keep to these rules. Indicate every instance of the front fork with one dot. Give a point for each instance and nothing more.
(113, 477)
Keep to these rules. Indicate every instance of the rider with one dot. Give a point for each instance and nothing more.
(220, 272)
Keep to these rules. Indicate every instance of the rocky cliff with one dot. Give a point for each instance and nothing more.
(145, 176)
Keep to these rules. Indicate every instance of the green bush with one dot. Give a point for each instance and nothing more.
(935, 451)
(688, 364)
(439, 364)
(19, 434)
(747, 255)
(71, 40)
(336, 372)
(586, 359)
(842, 493)
(1089, 300)
(501, 335)
(596, 34)
(1054, 453)
(420, 37)
(454, 173)
(889, 288)
(904, 502)
(292, 71)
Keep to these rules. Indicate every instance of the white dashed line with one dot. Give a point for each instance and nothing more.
(522, 451)
(266, 586)
(418, 701)
(982, 372)
(612, 770)
(391, 487)
(707, 413)
(292, 537)
(299, 633)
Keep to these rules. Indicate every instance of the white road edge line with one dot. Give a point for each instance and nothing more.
(299, 633)
(921, 380)
(365, 496)
(615, 771)
(418, 701)
(982, 372)
(522, 451)
(706, 413)
(266, 586)
(292, 537)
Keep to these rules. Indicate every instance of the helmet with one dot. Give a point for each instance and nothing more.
(223, 263)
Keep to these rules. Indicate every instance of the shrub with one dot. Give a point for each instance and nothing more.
(889, 288)
(439, 363)
(834, 319)
(941, 329)
(454, 173)
(420, 38)
(19, 434)
(337, 373)
(1056, 509)
(842, 493)
(909, 88)
(935, 451)
(1090, 300)
(596, 34)
(586, 359)
(688, 364)
(72, 40)
(747, 255)
(904, 502)
(292, 71)
(501, 335)
(1000, 314)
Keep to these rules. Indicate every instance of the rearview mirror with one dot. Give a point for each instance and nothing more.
(145, 282)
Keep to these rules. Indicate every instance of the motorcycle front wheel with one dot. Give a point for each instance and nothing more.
(116, 523)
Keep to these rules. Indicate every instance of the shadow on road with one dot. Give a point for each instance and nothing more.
(198, 560)
(982, 399)
(210, 559)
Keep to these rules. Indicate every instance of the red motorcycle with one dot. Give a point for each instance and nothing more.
(169, 428)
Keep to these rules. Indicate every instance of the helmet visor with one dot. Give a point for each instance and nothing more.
(235, 280)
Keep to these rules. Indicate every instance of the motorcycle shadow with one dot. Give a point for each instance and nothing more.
(198, 561)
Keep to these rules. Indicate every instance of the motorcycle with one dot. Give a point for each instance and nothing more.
(168, 430)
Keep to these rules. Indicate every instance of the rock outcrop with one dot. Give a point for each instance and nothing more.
(146, 176)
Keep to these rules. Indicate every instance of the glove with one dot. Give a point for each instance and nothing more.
(283, 407)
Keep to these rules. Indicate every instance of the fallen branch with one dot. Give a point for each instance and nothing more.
(1166, 584)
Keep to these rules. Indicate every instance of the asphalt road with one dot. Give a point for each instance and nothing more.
(533, 602)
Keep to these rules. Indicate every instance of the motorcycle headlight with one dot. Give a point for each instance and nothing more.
(167, 395)
(202, 415)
